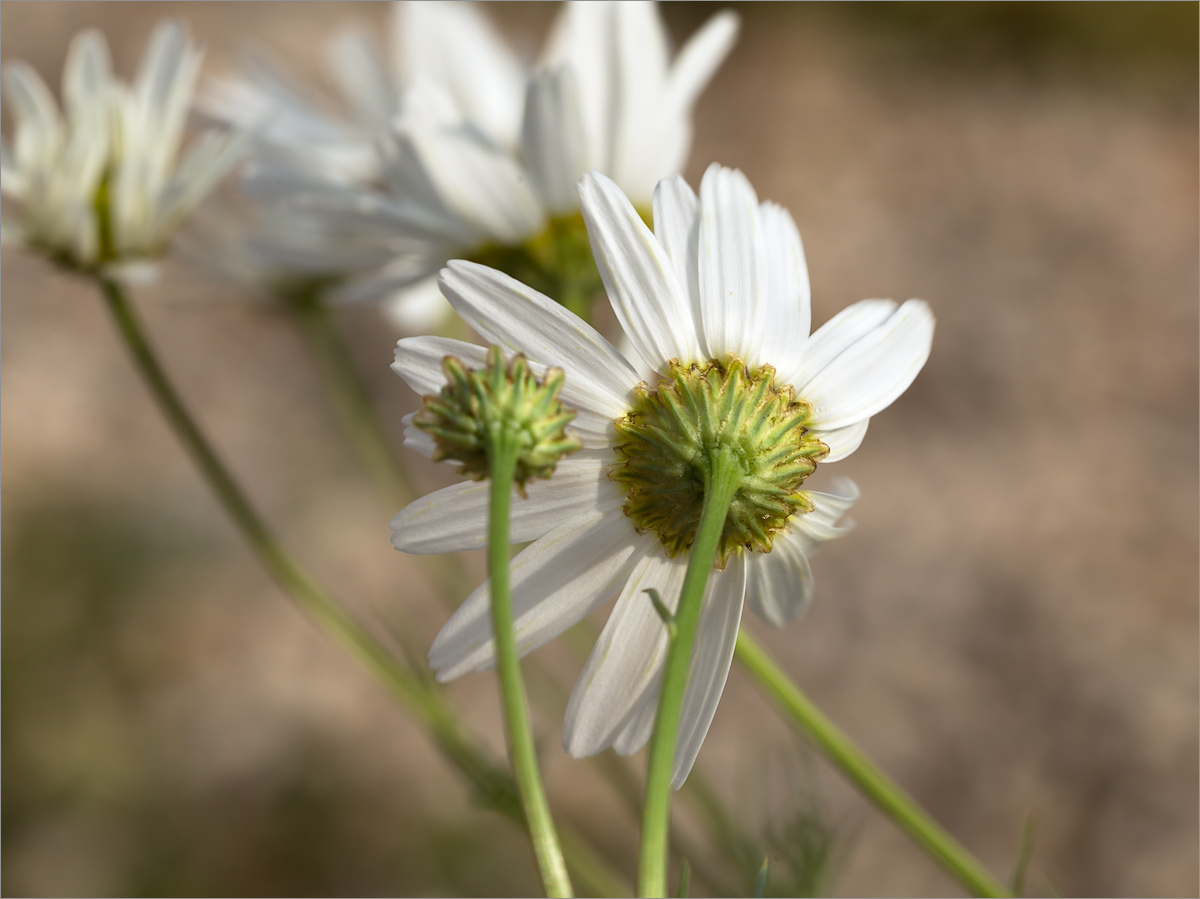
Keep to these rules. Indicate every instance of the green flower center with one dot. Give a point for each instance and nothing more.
(557, 261)
(666, 442)
(476, 404)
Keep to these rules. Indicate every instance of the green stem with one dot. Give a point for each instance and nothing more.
(721, 483)
(493, 786)
(362, 424)
(349, 394)
(503, 449)
(873, 783)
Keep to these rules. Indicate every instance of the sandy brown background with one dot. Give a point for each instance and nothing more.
(1011, 629)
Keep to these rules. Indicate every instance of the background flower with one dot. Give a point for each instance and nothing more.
(101, 188)
(469, 152)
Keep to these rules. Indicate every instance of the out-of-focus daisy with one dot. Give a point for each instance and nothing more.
(715, 304)
(99, 187)
(466, 153)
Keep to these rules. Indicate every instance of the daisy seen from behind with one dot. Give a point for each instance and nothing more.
(715, 305)
(480, 153)
(101, 187)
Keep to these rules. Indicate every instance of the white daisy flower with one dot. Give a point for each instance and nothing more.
(715, 303)
(99, 187)
(478, 156)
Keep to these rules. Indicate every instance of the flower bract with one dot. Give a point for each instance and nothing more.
(715, 306)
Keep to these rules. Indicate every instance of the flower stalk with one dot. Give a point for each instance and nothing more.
(873, 783)
(722, 478)
(503, 450)
(492, 786)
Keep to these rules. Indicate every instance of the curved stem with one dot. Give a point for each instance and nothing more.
(873, 783)
(362, 424)
(503, 448)
(492, 785)
(721, 483)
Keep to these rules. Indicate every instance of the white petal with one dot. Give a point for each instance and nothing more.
(519, 319)
(677, 228)
(824, 522)
(639, 67)
(484, 186)
(779, 584)
(788, 295)
(418, 360)
(582, 38)
(833, 338)
(454, 518)
(362, 76)
(700, 57)
(455, 44)
(626, 659)
(842, 441)
(870, 373)
(553, 139)
(638, 275)
(734, 292)
(87, 74)
(419, 307)
(34, 114)
(715, 639)
(417, 440)
(11, 180)
(638, 725)
(556, 582)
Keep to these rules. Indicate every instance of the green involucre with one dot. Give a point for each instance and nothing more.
(667, 440)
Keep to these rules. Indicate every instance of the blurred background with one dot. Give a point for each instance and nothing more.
(1010, 631)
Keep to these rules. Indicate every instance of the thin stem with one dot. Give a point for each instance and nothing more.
(721, 484)
(363, 425)
(502, 457)
(492, 785)
(873, 783)
(349, 394)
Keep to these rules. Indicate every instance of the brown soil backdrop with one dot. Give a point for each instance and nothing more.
(1011, 630)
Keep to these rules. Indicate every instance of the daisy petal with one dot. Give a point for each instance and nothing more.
(779, 584)
(553, 139)
(842, 441)
(700, 57)
(519, 319)
(416, 439)
(556, 582)
(638, 275)
(832, 339)
(715, 638)
(485, 186)
(734, 290)
(677, 228)
(456, 45)
(638, 725)
(869, 374)
(626, 659)
(824, 522)
(456, 518)
(788, 294)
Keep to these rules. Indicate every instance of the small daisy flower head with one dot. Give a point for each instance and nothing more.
(479, 154)
(98, 185)
(475, 404)
(715, 307)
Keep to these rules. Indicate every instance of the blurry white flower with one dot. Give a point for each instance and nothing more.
(715, 303)
(99, 188)
(466, 153)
